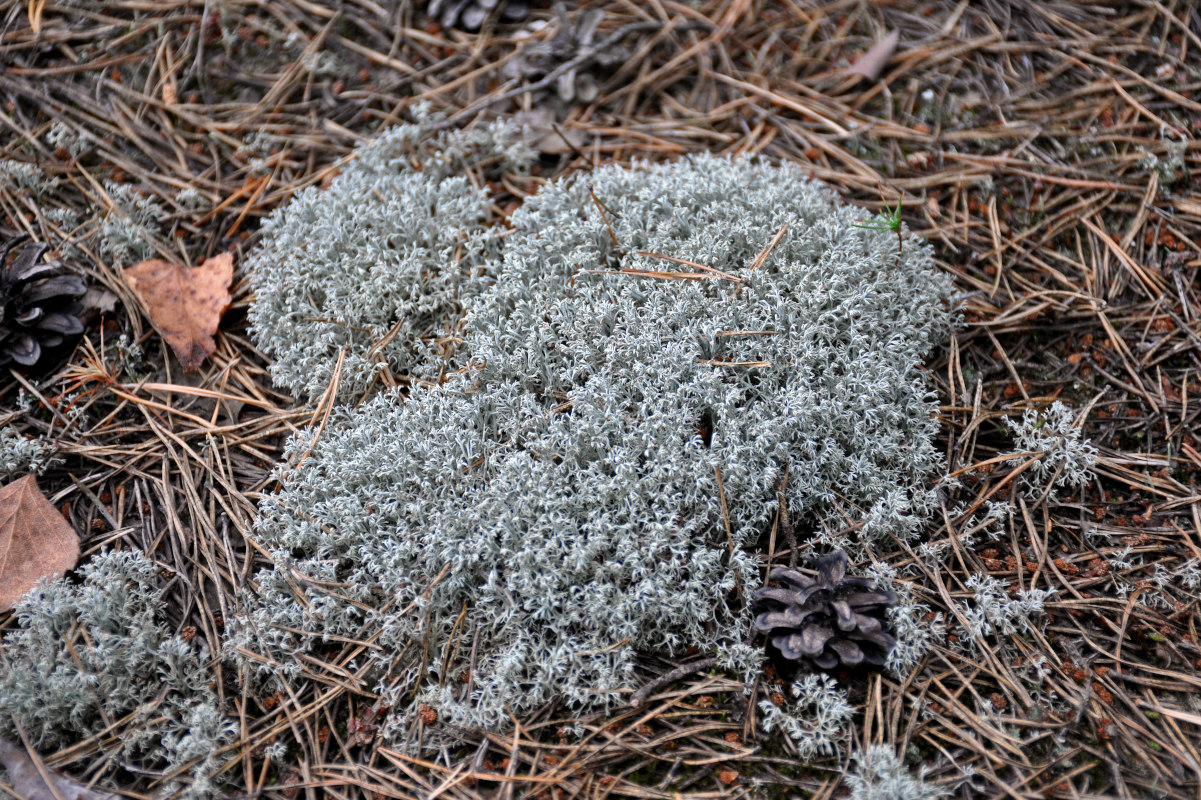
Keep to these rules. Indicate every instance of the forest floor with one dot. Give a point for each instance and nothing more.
(1045, 149)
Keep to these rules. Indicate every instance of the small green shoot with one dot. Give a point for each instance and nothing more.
(889, 220)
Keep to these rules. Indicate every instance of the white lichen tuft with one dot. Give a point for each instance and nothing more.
(817, 719)
(916, 635)
(995, 612)
(880, 775)
(23, 176)
(82, 656)
(1064, 459)
(129, 229)
(554, 506)
(64, 137)
(19, 455)
(380, 264)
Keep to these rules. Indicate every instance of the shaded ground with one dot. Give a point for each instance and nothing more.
(1046, 149)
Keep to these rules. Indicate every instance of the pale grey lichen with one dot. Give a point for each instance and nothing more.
(880, 775)
(1064, 458)
(816, 719)
(64, 137)
(1172, 166)
(917, 628)
(129, 229)
(23, 176)
(379, 264)
(63, 217)
(191, 199)
(19, 455)
(554, 506)
(83, 656)
(743, 660)
(995, 612)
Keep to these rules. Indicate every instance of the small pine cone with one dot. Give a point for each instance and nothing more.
(38, 308)
(826, 620)
(574, 41)
(470, 14)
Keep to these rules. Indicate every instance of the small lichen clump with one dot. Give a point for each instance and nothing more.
(19, 455)
(84, 656)
(585, 484)
(815, 719)
(998, 612)
(380, 263)
(1065, 459)
(131, 225)
(880, 775)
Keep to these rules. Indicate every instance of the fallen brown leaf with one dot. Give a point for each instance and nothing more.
(27, 780)
(872, 62)
(185, 304)
(35, 541)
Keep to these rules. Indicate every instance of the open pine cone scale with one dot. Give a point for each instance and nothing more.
(470, 14)
(827, 619)
(38, 308)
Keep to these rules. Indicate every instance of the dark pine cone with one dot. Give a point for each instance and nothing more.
(38, 308)
(470, 14)
(574, 41)
(826, 620)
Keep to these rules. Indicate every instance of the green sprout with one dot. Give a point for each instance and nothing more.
(889, 220)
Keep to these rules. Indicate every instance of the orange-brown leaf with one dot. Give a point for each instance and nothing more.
(185, 304)
(35, 541)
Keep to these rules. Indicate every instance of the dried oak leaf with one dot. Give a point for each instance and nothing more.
(35, 541)
(185, 304)
(872, 62)
(27, 780)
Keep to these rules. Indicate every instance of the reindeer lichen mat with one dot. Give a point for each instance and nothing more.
(633, 384)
